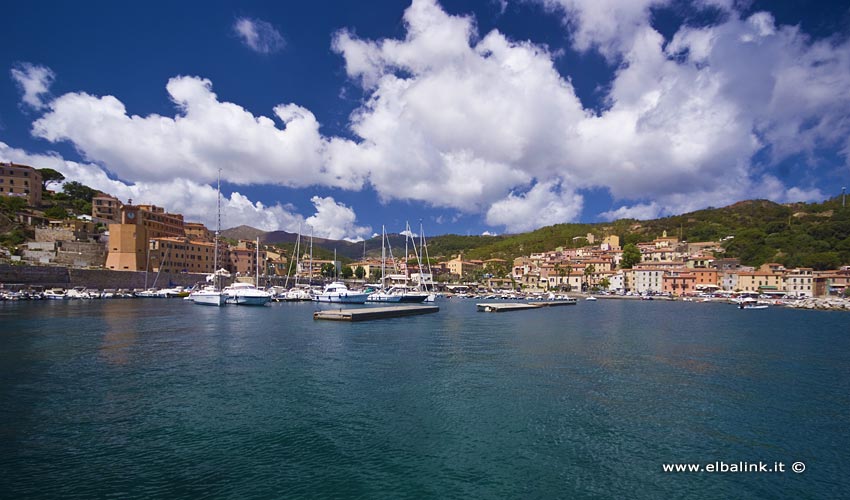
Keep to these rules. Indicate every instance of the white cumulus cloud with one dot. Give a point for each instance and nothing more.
(487, 125)
(34, 81)
(258, 35)
(335, 221)
(197, 202)
(545, 204)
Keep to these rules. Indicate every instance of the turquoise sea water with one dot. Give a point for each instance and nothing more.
(162, 398)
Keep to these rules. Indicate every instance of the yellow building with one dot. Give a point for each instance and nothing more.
(21, 181)
(760, 281)
(460, 267)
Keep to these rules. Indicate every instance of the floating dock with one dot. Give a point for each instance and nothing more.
(503, 307)
(369, 313)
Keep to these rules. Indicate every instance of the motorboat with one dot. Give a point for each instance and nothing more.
(749, 303)
(337, 292)
(246, 294)
(399, 293)
(208, 296)
(298, 293)
(54, 294)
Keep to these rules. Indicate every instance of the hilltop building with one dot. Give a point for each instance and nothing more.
(21, 181)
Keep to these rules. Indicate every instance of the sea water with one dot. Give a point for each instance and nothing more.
(162, 398)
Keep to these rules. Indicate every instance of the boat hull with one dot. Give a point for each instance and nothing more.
(350, 298)
(209, 298)
(251, 300)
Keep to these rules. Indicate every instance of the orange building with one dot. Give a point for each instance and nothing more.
(129, 239)
(182, 255)
(679, 282)
(243, 259)
(106, 208)
(706, 278)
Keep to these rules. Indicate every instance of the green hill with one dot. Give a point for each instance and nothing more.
(801, 234)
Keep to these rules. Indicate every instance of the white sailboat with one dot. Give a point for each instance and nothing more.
(212, 295)
(297, 292)
(383, 295)
(399, 292)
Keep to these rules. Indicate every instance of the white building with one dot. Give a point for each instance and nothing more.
(800, 282)
(647, 280)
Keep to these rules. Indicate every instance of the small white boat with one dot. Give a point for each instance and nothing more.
(208, 296)
(54, 294)
(591, 298)
(750, 303)
(298, 293)
(337, 292)
(399, 293)
(246, 294)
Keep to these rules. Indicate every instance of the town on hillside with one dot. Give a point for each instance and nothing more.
(120, 236)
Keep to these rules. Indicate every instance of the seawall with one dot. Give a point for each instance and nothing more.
(98, 279)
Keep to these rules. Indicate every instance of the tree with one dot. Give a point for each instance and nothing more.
(347, 272)
(328, 270)
(360, 272)
(588, 272)
(56, 212)
(605, 283)
(631, 256)
(12, 204)
(79, 191)
(48, 175)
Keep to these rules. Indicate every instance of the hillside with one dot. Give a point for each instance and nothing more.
(801, 234)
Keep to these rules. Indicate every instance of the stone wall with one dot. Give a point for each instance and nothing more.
(98, 279)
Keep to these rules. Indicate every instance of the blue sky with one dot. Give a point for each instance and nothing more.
(476, 117)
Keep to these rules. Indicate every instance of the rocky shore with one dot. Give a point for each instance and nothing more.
(822, 304)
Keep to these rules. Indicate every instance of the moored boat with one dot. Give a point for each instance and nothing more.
(337, 292)
(246, 294)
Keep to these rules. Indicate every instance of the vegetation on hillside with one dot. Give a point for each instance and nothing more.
(802, 234)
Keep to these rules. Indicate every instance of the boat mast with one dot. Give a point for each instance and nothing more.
(294, 259)
(423, 246)
(406, 236)
(257, 265)
(217, 230)
(311, 256)
(383, 258)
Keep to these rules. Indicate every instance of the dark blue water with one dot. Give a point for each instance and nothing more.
(163, 398)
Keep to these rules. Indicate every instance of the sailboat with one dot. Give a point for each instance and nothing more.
(212, 295)
(297, 292)
(384, 295)
(397, 292)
